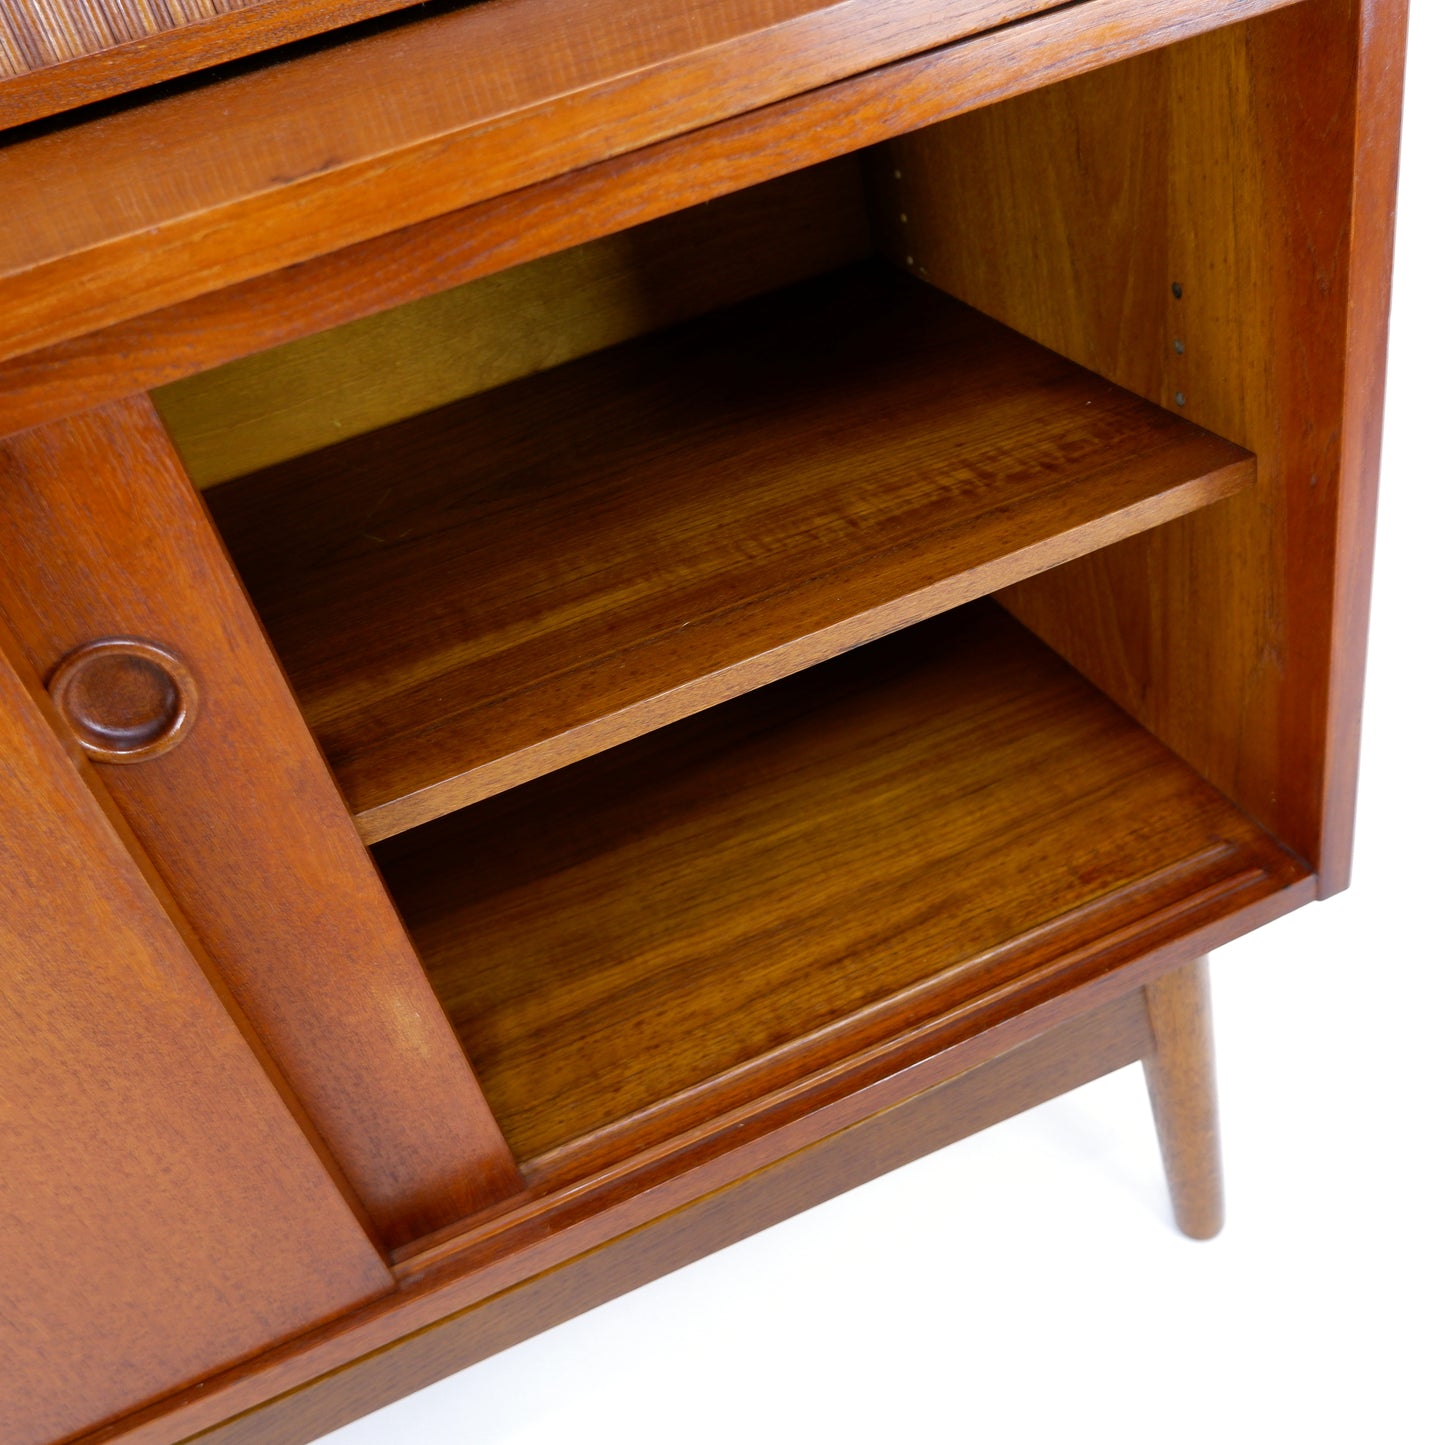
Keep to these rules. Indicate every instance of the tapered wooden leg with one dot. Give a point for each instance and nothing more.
(1180, 1072)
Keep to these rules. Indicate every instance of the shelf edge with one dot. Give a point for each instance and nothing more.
(487, 779)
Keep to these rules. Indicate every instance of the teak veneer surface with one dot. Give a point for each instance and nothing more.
(584, 1224)
(469, 598)
(1106, 1039)
(422, 258)
(164, 1214)
(142, 208)
(1253, 168)
(56, 54)
(104, 536)
(641, 940)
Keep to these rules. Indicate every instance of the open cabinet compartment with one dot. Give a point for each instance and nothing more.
(561, 565)
(468, 597)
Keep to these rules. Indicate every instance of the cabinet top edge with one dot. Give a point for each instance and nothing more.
(162, 200)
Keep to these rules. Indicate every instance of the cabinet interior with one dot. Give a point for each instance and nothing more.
(638, 597)
(666, 932)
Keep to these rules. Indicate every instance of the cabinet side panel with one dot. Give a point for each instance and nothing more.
(1187, 224)
(104, 536)
(1372, 249)
(163, 1216)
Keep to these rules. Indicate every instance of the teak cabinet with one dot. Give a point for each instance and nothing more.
(619, 616)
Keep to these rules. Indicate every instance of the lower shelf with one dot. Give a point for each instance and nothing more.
(931, 829)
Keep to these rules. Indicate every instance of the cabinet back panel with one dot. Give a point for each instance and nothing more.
(297, 398)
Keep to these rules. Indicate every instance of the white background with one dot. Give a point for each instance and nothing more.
(1026, 1284)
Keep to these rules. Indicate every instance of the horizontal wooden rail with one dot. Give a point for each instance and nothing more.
(191, 273)
(138, 209)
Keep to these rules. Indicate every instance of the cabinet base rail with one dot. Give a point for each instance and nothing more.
(464, 1298)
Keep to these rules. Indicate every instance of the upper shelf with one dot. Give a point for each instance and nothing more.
(472, 597)
(119, 215)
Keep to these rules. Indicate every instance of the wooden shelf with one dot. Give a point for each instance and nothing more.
(472, 597)
(947, 825)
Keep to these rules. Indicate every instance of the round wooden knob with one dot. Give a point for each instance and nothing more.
(124, 699)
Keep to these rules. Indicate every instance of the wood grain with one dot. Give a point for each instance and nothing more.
(1231, 165)
(1378, 79)
(602, 1210)
(1109, 1039)
(58, 54)
(124, 700)
(547, 1229)
(538, 1233)
(242, 819)
(166, 1215)
(298, 193)
(358, 377)
(649, 935)
(356, 140)
(1180, 1070)
(35, 35)
(122, 357)
(470, 598)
